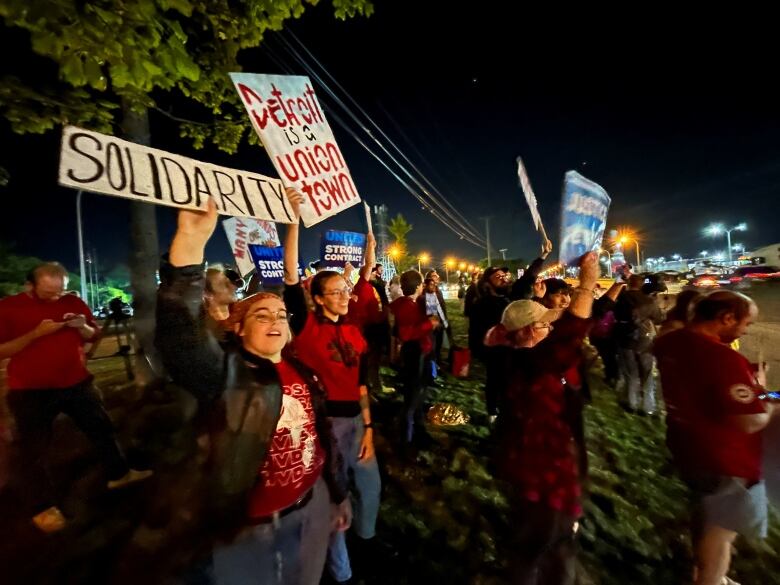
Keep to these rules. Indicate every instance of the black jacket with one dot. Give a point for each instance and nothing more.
(381, 288)
(225, 378)
(484, 313)
(635, 316)
(523, 287)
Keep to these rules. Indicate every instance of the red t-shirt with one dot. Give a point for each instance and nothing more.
(704, 382)
(333, 350)
(412, 323)
(56, 360)
(295, 457)
(367, 309)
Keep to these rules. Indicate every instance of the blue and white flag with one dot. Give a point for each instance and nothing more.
(583, 217)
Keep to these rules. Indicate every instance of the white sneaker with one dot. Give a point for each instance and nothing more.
(131, 476)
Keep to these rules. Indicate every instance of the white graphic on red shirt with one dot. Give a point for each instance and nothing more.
(293, 452)
(293, 418)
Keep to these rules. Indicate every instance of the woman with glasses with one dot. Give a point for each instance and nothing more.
(337, 351)
(541, 453)
(278, 486)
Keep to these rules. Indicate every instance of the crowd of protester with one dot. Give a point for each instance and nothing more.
(284, 382)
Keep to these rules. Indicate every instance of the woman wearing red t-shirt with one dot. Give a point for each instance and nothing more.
(336, 350)
(276, 452)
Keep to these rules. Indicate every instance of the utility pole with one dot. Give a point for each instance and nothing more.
(503, 253)
(487, 238)
(82, 268)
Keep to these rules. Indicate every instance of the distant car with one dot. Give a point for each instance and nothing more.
(745, 276)
(673, 280)
(705, 267)
(708, 281)
(103, 312)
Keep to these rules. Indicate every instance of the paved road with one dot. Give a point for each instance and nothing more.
(763, 340)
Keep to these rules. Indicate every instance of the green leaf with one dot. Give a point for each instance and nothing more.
(178, 31)
(182, 6)
(73, 70)
(94, 74)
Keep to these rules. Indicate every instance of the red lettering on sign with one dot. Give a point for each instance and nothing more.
(301, 106)
(249, 97)
(303, 162)
(289, 170)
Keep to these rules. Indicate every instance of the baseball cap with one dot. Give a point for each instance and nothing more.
(519, 314)
(493, 269)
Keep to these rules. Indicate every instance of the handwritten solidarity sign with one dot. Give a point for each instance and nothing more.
(583, 217)
(105, 164)
(288, 119)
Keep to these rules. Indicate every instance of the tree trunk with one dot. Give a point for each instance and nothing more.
(144, 262)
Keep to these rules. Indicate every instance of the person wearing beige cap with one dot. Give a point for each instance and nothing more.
(541, 455)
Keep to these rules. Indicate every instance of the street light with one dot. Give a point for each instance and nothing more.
(449, 263)
(704, 253)
(423, 258)
(626, 237)
(676, 257)
(718, 228)
(462, 266)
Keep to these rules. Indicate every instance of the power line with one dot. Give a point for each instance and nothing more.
(433, 201)
(332, 114)
(463, 220)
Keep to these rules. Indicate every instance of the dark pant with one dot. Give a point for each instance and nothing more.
(413, 364)
(378, 339)
(494, 359)
(608, 350)
(34, 412)
(544, 547)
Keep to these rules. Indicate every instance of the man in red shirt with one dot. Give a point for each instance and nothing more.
(43, 332)
(714, 427)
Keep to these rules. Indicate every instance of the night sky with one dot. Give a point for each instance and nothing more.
(677, 119)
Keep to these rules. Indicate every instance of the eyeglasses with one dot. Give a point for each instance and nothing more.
(342, 292)
(269, 317)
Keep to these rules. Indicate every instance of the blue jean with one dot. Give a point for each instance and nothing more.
(290, 551)
(366, 486)
(413, 377)
(636, 372)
